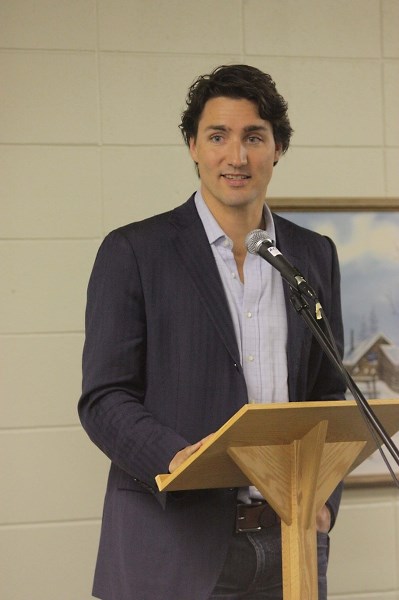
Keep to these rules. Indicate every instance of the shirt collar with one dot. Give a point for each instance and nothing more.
(212, 228)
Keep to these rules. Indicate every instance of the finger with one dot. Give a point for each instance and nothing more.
(182, 455)
(206, 438)
(189, 450)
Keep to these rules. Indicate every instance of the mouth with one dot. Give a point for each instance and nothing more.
(235, 177)
(236, 180)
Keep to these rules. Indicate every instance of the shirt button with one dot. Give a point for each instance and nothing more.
(233, 275)
(251, 357)
(249, 314)
(252, 401)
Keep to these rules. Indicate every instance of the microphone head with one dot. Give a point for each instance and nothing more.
(255, 238)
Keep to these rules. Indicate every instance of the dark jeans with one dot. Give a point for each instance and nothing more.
(253, 569)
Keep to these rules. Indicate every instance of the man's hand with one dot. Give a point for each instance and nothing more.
(323, 520)
(184, 454)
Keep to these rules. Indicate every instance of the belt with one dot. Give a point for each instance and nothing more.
(255, 516)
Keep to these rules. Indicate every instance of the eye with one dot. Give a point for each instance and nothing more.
(254, 139)
(216, 138)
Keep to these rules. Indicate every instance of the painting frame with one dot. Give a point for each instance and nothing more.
(342, 204)
(286, 204)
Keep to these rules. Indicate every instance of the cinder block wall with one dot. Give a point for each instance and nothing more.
(90, 100)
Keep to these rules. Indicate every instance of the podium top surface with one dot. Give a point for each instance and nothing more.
(276, 424)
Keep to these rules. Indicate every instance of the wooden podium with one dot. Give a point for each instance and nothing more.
(295, 454)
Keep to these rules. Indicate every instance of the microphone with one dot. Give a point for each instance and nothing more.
(258, 242)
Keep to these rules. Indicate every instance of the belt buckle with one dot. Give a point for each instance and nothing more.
(240, 517)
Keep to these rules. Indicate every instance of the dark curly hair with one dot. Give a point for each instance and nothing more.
(237, 81)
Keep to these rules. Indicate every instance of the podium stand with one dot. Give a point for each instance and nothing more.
(295, 454)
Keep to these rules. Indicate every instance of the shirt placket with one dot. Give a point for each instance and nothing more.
(250, 328)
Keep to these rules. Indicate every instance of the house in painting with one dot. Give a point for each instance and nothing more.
(374, 359)
(389, 366)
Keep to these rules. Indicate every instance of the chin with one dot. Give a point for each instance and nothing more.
(241, 199)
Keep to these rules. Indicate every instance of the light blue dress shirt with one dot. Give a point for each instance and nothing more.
(258, 313)
(257, 310)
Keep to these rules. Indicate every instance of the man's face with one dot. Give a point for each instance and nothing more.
(235, 151)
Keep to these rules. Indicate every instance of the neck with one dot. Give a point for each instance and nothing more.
(237, 222)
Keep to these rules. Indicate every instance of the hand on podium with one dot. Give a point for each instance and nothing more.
(184, 454)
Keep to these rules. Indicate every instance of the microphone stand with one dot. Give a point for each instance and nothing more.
(302, 307)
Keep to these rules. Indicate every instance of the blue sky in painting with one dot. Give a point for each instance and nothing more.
(368, 250)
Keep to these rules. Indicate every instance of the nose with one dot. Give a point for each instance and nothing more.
(237, 156)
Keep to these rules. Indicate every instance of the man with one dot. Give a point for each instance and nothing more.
(183, 327)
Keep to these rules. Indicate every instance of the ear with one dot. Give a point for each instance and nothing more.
(193, 150)
(277, 154)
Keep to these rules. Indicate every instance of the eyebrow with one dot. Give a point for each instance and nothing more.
(247, 129)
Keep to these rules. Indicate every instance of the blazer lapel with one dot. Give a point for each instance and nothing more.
(192, 245)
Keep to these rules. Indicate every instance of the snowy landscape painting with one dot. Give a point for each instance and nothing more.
(368, 248)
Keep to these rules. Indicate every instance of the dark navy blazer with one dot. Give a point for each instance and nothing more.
(161, 369)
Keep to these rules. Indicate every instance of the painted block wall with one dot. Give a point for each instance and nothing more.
(90, 100)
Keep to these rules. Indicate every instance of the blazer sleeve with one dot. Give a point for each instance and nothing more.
(112, 408)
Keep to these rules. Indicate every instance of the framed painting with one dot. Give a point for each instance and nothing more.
(366, 233)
